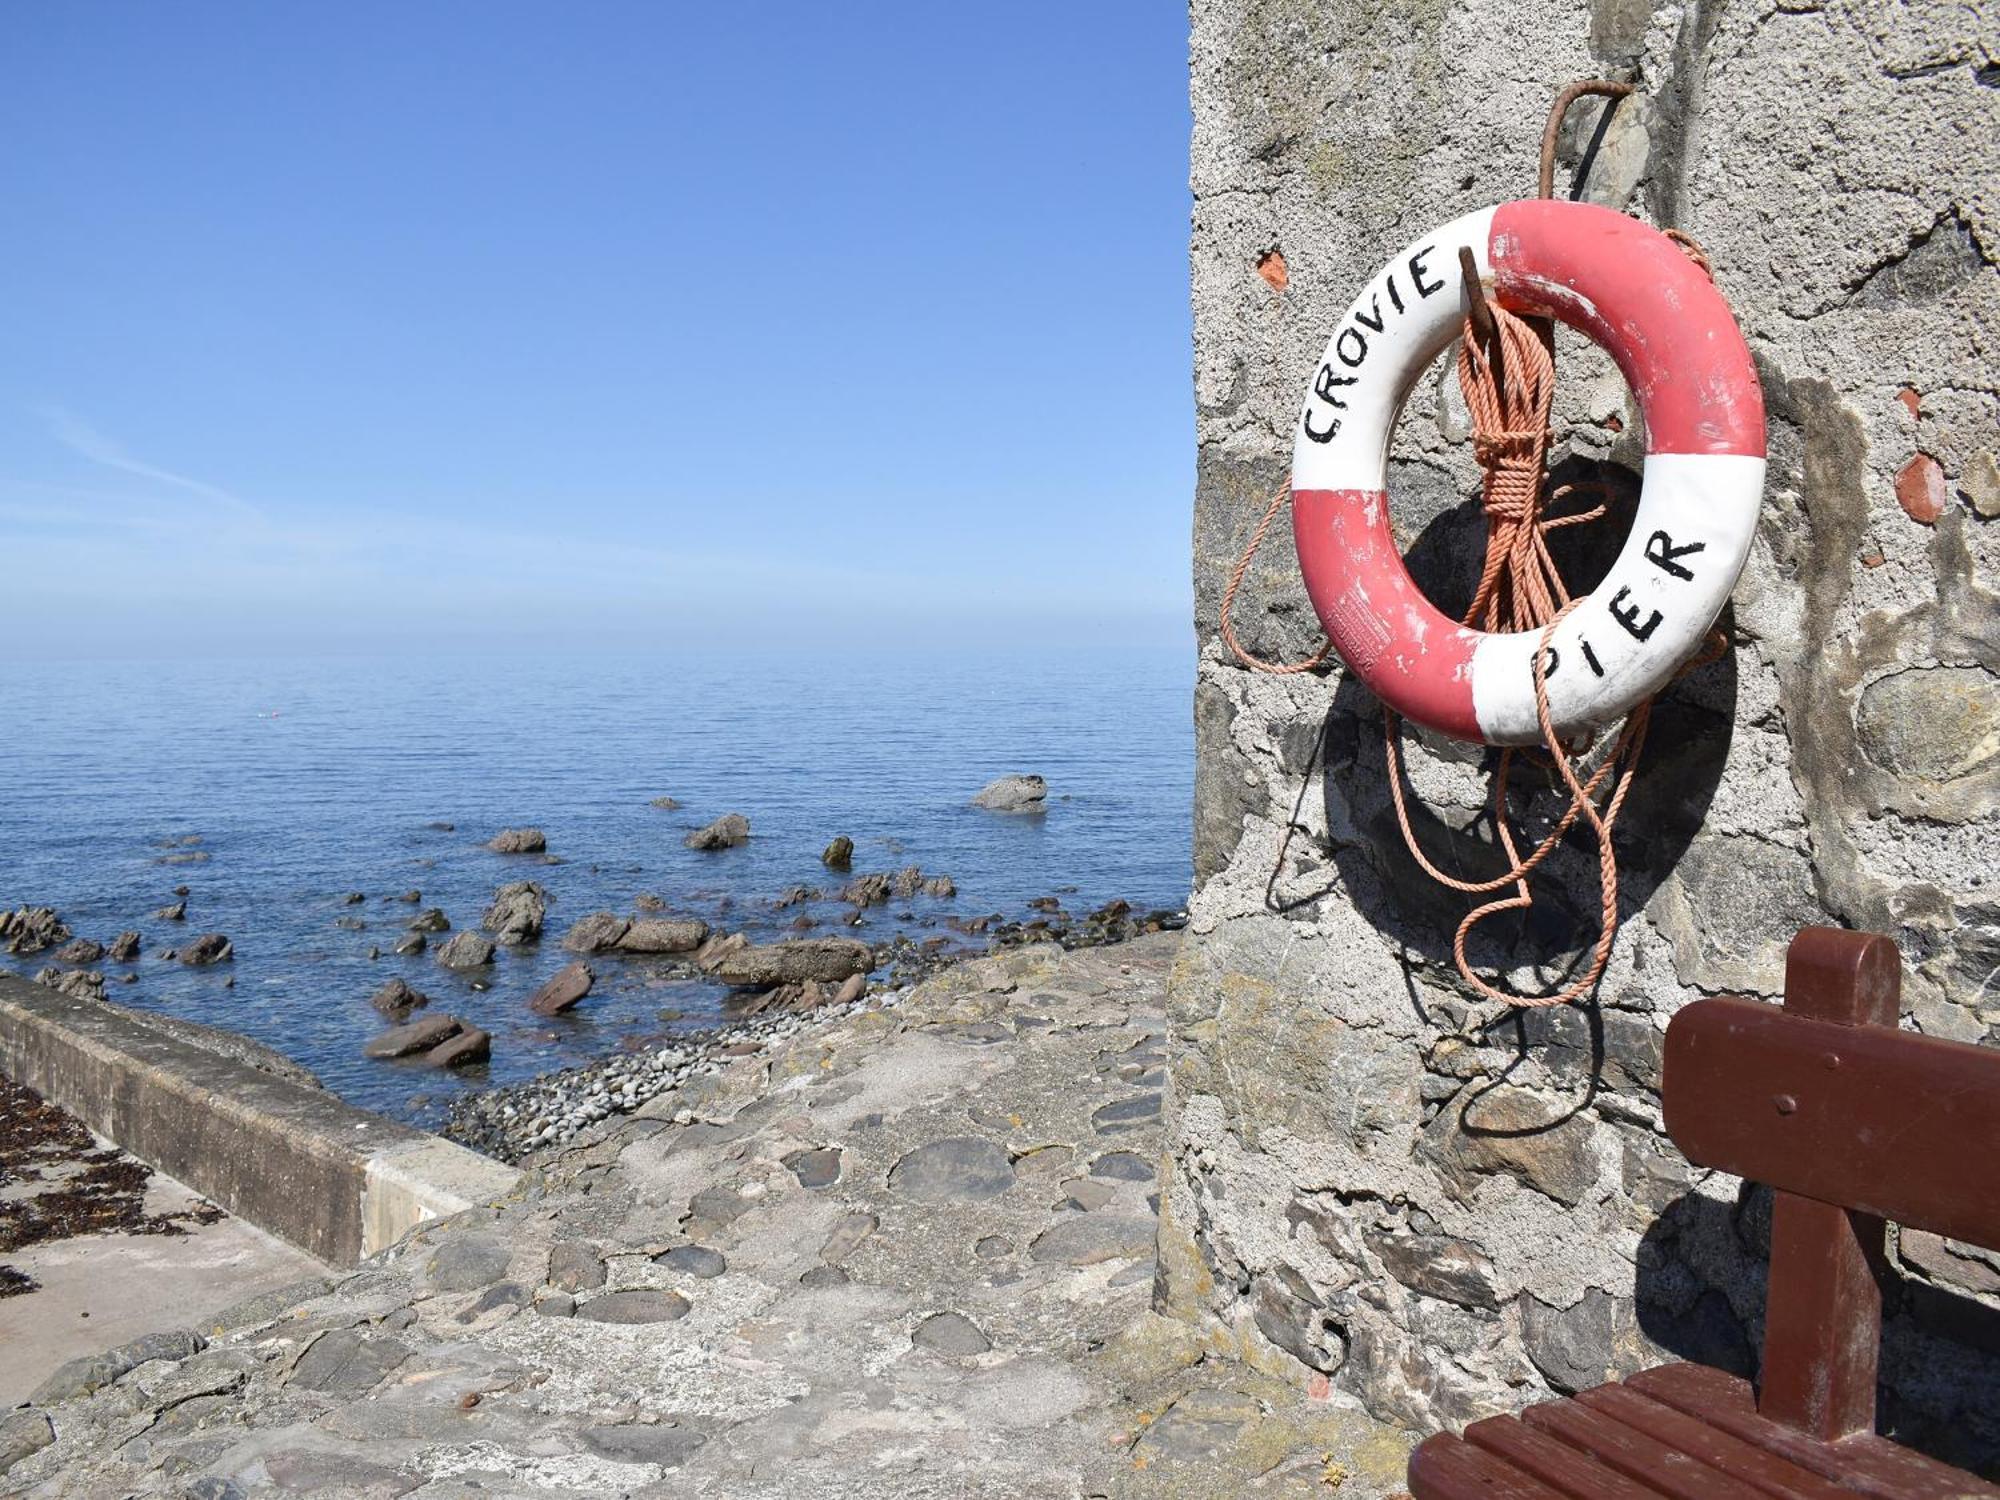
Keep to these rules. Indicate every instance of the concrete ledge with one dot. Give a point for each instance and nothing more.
(336, 1181)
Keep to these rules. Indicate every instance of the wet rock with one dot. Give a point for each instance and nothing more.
(638, 1305)
(563, 989)
(839, 854)
(350, 924)
(430, 919)
(397, 999)
(469, 1046)
(412, 943)
(816, 1169)
(599, 932)
(414, 1037)
(1013, 794)
(1087, 1239)
(466, 950)
(209, 948)
(124, 948)
(667, 1444)
(575, 1266)
(663, 935)
(951, 1333)
(175, 913)
(515, 917)
(867, 890)
(693, 1260)
(348, 1362)
(22, 1434)
(726, 832)
(518, 841)
(827, 960)
(30, 929)
(957, 1168)
(79, 951)
(185, 857)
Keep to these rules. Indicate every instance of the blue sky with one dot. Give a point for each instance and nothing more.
(428, 325)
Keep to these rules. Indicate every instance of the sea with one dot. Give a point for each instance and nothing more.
(292, 783)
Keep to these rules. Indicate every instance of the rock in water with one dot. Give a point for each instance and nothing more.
(598, 932)
(726, 832)
(397, 999)
(209, 948)
(518, 841)
(909, 880)
(124, 948)
(828, 960)
(1014, 794)
(417, 1036)
(470, 1046)
(31, 929)
(78, 984)
(941, 887)
(515, 917)
(466, 950)
(662, 935)
(568, 985)
(669, 804)
(80, 951)
(839, 854)
(175, 913)
(412, 942)
(868, 890)
(430, 919)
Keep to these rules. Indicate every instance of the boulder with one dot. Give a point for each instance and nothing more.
(397, 999)
(515, 917)
(31, 929)
(563, 989)
(868, 890)
(414, 1037)
(1013, 794)
(466, 950)
(726, 832)
(839, 854)
(430, 919)
(412, 943)
(598, 932)
(717, 948)
(662, 935)
(175, 913)
(461, 1050)
(209, 948)
(80, 951)
(79, 984)
(124, 948)
(518, 841)
(828, 960)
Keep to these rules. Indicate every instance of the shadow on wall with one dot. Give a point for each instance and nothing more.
(1686, 748)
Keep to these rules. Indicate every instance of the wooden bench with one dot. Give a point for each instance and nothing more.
(1852, 1122)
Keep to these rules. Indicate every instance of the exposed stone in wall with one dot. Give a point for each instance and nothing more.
(1451, 1210)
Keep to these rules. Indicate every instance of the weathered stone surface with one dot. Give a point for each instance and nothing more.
(726, 832)
(1438, 1266)
(825, 960)
(1932, 723)
(950, 1333)
(668, 1444)
(516, 915)
(694, 1260)
(575, 1266)
(1509, 1130)
(23, 1433)
(1123, 1166)
(599, 932)
(562, 989)
(518, 841)
(1087, 1239)
(468, 1263)
(957, 1167)
(663, 935)
(124, 948)
(348, 1361)
(1013, 794)
(818, 1168)
(466, 950)
(467, 1046)
(637, 1305)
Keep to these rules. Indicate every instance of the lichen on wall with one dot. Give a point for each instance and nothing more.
(1450, 1209)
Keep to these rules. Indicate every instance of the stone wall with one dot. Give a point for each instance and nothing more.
(1448, 1210)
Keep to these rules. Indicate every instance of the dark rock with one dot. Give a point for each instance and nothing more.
(466, 950)
(726, 832)
(867, 890)
(430, 919)
(827, 960)
(1122, 1115)
(798, 895)
(598, 932)
(505, 1294)
(693, 1260)
(518, 841)
(1437, 1266)
(466, 1263)
(124, 948)
(79, 951)
(821, 1277)
(412, 943)
(79, 984)
(415, 1037)
(1571, 1346)
(396, 999)
(442, 827)
(30, 929)
(469, 1046)
(563, 989)
(410, 897)
(80, 1376)
(515, 917)
(209, 948)
(1013, 794)
(575, 1266)
(175, 913)
(352, 898)
(1123, 1166)
(839, 854)
(957, 1168)
(556, 1305)
(950, 1333)
(348, 1362)
(350, 924)
(185, 857)
(816, 1169)
(667, 1444)
(639, 1305)
(993, 1247)
(1087, 1239)
(662, 935)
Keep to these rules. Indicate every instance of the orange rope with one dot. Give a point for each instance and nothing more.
(1257, 663)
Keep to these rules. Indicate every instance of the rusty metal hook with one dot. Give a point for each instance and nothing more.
(1602, 88)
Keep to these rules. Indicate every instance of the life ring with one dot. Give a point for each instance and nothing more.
(1633, 291)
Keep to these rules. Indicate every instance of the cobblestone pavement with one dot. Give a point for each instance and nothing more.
(908, 1253)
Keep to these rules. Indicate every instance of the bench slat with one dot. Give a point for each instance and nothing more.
(1867, 1465)
(1775, 1476)
(1887, 1122)
(1555, 1463)
(1634, 1454)
(1446, 1467)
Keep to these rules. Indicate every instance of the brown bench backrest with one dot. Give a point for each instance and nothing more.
(1852, 1121)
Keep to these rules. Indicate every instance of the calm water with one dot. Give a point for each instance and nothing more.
(308, 779)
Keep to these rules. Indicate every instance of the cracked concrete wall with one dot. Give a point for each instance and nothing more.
(1376, 1185)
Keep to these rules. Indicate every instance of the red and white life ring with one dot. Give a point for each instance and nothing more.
(1630, 289)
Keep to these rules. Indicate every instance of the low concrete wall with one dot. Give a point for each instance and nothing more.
(334, 1180)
